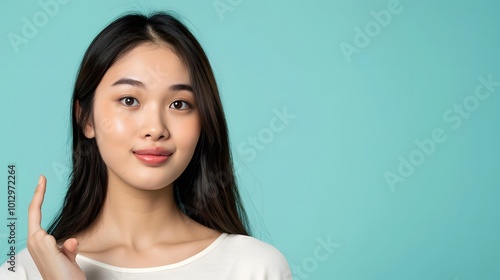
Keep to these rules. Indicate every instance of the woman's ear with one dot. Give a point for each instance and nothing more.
(88, 128)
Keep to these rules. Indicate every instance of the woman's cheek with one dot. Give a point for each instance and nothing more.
(107, 127)
(188, 131)
(120, 128)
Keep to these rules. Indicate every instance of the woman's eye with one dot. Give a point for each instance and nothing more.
(129, 101)
(179, 105)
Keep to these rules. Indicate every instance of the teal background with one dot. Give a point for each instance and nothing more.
(321, 175)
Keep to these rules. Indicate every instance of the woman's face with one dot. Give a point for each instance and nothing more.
(145, 119)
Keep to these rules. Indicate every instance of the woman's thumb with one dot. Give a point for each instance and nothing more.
(70, 249)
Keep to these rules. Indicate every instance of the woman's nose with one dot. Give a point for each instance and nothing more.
(154, 125)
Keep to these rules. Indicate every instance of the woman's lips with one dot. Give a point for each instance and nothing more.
(153, 155)
(152, 159)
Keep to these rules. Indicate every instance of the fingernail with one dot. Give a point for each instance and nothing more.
(40, 180)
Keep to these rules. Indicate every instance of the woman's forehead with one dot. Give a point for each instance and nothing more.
(151, 64)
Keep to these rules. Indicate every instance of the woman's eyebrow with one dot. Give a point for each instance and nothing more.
(136, 83)
(130, 82)
(179, 87)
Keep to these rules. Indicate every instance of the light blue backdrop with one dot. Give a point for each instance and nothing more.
(365, 133)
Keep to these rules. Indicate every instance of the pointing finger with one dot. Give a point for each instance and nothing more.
(35, 208)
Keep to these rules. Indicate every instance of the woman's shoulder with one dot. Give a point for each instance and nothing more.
(252, 254)
(249, 244)
(240, 256)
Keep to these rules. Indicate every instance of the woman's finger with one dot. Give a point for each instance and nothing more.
(70, 249)
(35, 208)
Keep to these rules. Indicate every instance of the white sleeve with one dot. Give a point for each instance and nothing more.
(22, 268)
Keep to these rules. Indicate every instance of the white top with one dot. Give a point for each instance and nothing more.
(230, 256)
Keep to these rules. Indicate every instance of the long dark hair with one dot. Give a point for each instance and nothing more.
(206, 191)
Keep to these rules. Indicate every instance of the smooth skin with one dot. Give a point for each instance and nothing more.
(137, 105)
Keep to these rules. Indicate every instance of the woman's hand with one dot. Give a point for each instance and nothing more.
(54, 263)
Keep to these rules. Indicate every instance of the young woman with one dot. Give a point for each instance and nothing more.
(152, 193)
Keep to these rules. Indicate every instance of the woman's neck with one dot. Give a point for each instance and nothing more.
(137, 219)
(143, 228)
